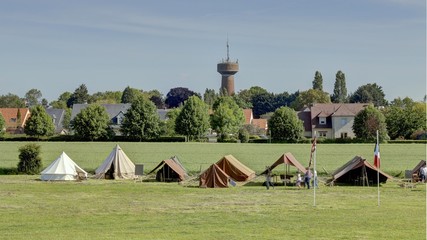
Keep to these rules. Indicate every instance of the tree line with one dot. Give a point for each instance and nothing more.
(403, 118)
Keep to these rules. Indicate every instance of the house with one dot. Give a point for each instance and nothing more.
(258, 123)
(330, 120)
(15, 119)
(57, 116)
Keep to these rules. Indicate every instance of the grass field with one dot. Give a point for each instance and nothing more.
(102, 209)
(395, 158)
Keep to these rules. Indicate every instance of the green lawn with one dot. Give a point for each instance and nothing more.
(102, 209)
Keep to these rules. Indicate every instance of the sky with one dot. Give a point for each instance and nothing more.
(55, 46)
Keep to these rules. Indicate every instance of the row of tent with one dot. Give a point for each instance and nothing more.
(228, 170)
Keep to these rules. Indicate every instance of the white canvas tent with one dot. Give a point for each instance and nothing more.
(63, 168)
(117, 165)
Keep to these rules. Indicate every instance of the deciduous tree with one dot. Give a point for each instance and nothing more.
(227, 118)
(284, 124)
(33, 97)
(141, 120)
(177, 96)
(367, 122)
(193, 120)
(40, 123)
(369, 93)
(92, 123)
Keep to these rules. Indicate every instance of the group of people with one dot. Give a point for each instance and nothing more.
(307, 179)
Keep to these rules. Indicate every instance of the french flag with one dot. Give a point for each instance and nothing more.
(377, 156)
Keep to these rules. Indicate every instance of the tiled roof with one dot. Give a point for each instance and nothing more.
(10, 116)
(248, 115)
(261, 123)
(336, 109)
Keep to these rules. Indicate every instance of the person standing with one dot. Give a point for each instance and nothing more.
(315, 179)
(299, 180)
(268, 182)
(307, 177)
(423, 173)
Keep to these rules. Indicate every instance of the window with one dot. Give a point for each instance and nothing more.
(322, 120)
(119, 120)
(322, 133)
(343, 121)
(343, 135)
(12, 120)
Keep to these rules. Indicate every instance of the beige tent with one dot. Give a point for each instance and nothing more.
(287, 159)
(117, 165)
(235, 169)
(214, 177)
(171, 171)
(358, 171)
(63, 168)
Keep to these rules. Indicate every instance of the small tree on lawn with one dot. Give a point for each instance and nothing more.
(29, 159)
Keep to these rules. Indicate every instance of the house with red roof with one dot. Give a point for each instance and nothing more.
(15, 119)
(259, 123)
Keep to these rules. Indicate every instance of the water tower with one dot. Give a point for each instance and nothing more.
(227, 69)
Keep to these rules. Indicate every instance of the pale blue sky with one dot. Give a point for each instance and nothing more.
(55, 45)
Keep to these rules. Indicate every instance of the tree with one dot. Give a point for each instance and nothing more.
(92, 123)
(369, 93)
(263, 103)
(404, 117)
(177, 96)
(367, 122)
(33, 97)
(80, 95)
(30, 161)
(141, 120)
(310, 97)
(318, 81)
(340, 89)
(284, 124)
(61, 103)
(209, 97)
(193, 120)
(2, 125)
(168, 126)
(40, 123)
(11, 101)
(227, 118)
(108, 97)
(130, 94)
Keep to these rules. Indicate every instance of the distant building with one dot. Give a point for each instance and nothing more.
(15, 119)
(57, 116)
(259, 123)
(227, 69)
(330, 120)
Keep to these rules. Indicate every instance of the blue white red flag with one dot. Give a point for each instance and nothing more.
(377, 162)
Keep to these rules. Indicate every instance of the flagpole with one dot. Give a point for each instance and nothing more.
(314, 170)
(378, 172)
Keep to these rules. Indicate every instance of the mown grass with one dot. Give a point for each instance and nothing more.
(198, 156)
(102, 209)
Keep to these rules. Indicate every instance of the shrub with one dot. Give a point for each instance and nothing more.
(29, 159)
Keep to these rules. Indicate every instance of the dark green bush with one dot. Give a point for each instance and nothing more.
(29, 159)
